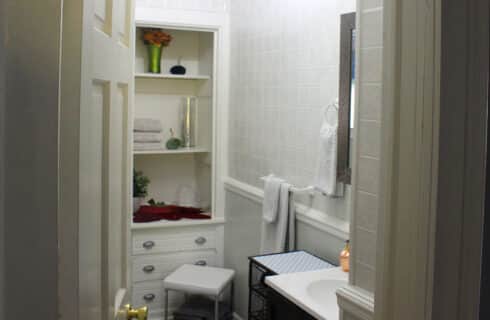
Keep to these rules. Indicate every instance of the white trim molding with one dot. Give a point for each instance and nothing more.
(409, 160)
(355, 302)
(312, 217)
(244, 189)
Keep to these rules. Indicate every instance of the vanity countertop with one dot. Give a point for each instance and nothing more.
(313, 291)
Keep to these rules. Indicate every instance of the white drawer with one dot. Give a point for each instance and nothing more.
(151, 294)
(157, 267)
(174, 240)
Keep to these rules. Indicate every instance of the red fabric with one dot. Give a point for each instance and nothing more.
(151, 213)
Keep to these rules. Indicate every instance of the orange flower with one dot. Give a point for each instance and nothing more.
(156, 37)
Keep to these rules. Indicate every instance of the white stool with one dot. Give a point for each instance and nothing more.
(208, 281)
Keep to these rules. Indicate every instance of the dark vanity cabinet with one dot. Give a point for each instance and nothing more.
(281, 308)
(264, 302)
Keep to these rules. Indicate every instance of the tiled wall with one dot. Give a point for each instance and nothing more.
(284, 70)
(366, 170)
(193, 5)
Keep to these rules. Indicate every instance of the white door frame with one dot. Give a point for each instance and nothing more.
(409, 159)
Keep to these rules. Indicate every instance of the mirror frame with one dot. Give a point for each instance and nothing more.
(347, 26)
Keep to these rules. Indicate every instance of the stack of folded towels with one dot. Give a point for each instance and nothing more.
(147, 134)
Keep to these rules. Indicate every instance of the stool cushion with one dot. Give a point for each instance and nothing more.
(199, 280)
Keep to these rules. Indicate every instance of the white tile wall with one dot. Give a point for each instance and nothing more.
(284, 70)
(366, 170)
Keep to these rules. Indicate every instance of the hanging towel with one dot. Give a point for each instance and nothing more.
(147, 146)
(274, 235)
(147, 125)
(326, 173)
(147, 137)
(270, 205)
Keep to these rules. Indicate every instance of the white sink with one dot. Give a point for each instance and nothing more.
(313, 291)
(323, 292)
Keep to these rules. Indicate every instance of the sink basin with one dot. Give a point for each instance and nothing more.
(313, 291)
(323, 292)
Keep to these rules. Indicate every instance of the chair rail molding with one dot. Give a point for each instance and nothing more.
(305, 214)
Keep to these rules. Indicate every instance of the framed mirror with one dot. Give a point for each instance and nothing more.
(346, 96)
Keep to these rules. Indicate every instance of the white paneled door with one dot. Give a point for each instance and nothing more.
(104, 161)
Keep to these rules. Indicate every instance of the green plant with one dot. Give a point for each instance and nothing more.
(140, 184)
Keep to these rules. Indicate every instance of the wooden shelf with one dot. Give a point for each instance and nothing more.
(173, 224)
(171, 76)
(165, 151)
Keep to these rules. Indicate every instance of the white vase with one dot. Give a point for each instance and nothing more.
(137, 203)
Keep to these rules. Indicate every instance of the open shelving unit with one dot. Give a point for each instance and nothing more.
(162, 96)
(166, 245)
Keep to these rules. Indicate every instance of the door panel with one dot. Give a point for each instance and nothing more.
(104, 161)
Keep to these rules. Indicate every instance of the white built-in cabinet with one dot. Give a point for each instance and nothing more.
(158, 248)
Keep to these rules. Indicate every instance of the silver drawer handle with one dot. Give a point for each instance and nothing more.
(148, 269)
(149, 297)
(148, 244)
(200, 240)
(201, 263)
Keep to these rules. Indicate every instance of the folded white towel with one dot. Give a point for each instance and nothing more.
(147, 125)
(147, 146)
(270, 205)
(147, 137)
(326, 173)
(274, 235)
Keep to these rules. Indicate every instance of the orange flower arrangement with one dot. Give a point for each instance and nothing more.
(156, 37)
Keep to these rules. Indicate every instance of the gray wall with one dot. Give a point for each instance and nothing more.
(31, 149)
(242, 240)
(2, 154)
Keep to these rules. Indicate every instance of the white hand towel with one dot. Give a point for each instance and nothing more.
(273, 235)
(147, 146)
(326, 173)
(270, 205)
(147, 137)
(147, 125)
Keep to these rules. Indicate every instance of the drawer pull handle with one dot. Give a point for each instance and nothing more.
(148, 269)
(148, 244)
(201, 263)
(200, 240)
(149, 297)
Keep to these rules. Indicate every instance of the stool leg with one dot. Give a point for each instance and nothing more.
(232, 295)
(166, 305)
(216, 308)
